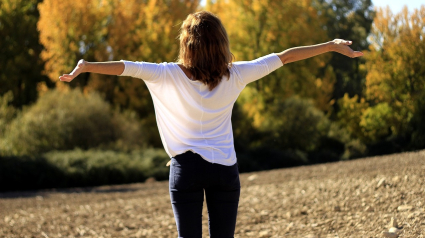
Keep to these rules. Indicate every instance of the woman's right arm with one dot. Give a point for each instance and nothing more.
(305, 52)
(110, 68)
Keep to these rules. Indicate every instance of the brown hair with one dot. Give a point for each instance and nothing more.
(204, 48)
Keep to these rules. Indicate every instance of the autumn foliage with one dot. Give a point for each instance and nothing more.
(266, 26)
(395, 77)
(325, 108)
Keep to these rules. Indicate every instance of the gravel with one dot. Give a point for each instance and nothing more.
(358, 198)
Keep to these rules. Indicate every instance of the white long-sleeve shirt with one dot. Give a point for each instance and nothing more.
(189, 116)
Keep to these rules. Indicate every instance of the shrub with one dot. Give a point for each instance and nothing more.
(293, 132)
(154, 163)
(25, 172)
(129, 131)
(7, 111)
(354, 149)
(266, 158)
(78, 168)
(64, 120)
(417, 126)
(327, 150)
(350, 114)
(376, 122)
(7, 114)
(295, 124)
(342, 145)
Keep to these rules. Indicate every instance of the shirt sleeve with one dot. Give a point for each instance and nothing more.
(249, 71)
(149, 72)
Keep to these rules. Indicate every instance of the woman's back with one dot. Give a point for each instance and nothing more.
(192, 117)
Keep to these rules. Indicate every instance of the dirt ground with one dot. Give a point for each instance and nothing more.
(345, 199)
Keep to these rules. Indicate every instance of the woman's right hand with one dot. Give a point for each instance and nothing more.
(342, 47)
(77, 70)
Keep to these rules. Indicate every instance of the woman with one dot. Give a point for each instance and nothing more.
(193, 102)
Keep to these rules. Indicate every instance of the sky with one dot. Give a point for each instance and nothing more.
(397, 5)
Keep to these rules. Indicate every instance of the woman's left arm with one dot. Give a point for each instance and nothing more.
(304, 52)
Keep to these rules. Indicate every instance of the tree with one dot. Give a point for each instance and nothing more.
(95, 30)
(20, 65)
(396, 75)
(257, 28)
(139, 31)
(350, 114)
(395, 80)
(352, 20)
(70, 30)
(109, 30)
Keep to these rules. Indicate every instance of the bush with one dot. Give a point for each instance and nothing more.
(78, 168)
(154, 163)
(376, 122)
(294, 132)
(354, 149)
(265, 158)
(417, 126)
(295, 124)
(24, 172)
(7, 114)
(7, 111)
(66, 120)
(327, 150)
(341, 145)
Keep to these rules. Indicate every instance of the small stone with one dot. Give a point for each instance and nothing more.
(139, 233)
(389, 234)
(394, 230)
(288, 215)
(150, 180)
(252, 177)
(264, 213)
(403, 208)
(368, 209)
(396, 179)
(290, 225)
(380, 183)
(264, 233)
(393, 222)
(304, 211)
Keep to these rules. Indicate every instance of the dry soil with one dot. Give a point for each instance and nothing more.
(354, 198)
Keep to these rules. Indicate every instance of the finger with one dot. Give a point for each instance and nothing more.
(342, 42)
(66, 78)
(61, 78)
(357, 54)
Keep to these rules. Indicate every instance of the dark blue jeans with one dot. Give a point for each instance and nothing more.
(190, 176)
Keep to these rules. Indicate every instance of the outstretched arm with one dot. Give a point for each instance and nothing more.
(111, 68)
(304, 52)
